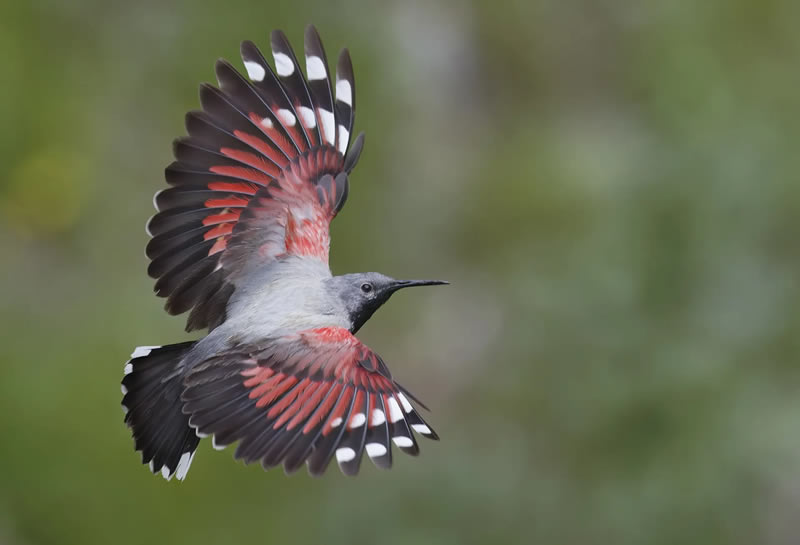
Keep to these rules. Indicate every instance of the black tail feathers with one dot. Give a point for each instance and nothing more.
(152, 388)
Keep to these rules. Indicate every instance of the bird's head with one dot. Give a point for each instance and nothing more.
(364, 293)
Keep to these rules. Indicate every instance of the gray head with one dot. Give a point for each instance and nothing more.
(364, 293)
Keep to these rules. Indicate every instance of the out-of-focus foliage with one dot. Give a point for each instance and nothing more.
(612, 188)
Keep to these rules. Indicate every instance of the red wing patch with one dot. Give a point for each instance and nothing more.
(306, 397)
(276, 135)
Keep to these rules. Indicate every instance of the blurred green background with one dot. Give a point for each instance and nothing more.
(610, 186)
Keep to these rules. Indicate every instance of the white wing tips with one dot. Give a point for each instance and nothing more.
(284, 65)
(180, 470)
(328, 122)
(345, 100)
(345, 454)
(184, 464)
(141, 351)
(358, 420)
(404, 421)
(308, 117)
(376, 450)
(422, 429)
(327, 99)
(255, 71)
(378, 417)
(286, 117)
(315, 68)
(395, 414)
(404, 402)
(402, 441)
(390, 418)
(415, 420)
(344, 92)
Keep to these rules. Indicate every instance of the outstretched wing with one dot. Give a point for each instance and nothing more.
(260, 176)
(304, 398)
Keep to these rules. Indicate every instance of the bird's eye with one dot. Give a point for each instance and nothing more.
(366, 288)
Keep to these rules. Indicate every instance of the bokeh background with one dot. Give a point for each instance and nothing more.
(611, 186)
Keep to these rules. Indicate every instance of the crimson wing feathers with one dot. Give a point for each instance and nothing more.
(259, 177)
(306, 397)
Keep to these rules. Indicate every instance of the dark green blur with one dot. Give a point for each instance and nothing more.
(611, 187)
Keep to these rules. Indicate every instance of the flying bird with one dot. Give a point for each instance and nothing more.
(240, 240)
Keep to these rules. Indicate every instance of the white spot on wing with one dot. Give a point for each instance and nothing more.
(375, 450)
(183, 465)
(141, 351)
(124, 408)
(327, 124)
(123, 388)
(266, 123)
(358, 420)
(286, 117)
(378, 417)
(315, 68)
(402, 441)
(283, 64)
(166, 472)
(404, 402)
(345, 454)
(344, 139)
(421, 428)
(395, 413)
(343, 91)
(308, 117)
(336, 422)
(255, 70)
(128, 368)
(152, 466)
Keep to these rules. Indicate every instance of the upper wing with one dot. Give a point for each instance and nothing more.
(304, 397)
(260, 176)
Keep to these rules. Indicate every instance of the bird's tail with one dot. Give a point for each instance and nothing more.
(151, 389)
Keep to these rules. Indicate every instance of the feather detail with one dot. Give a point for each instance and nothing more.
(306, 397)
(275, 135)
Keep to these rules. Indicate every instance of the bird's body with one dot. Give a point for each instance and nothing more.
(290, 295)
(241, 240)
(287, 296)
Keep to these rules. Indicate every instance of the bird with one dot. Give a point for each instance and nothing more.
(240, 240)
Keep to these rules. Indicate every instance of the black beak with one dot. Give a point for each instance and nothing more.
(413, 283)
